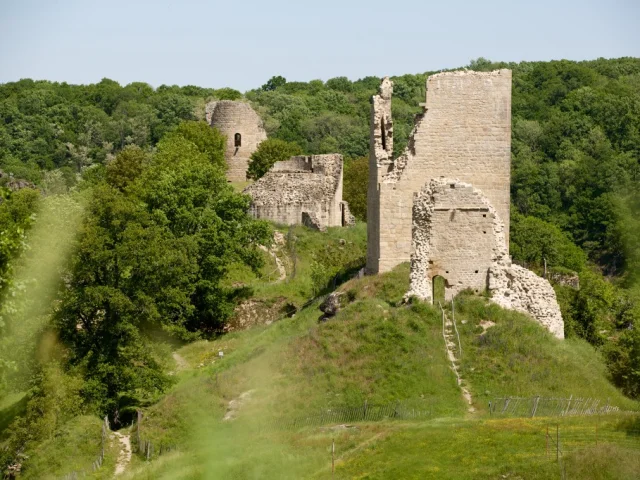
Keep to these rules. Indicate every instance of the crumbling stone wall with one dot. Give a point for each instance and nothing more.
(380, 162)
(233, 118)
(302, 190)
(458, 235)
(517, 288)
(464, 133)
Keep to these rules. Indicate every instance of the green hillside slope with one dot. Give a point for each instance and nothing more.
(377, 350)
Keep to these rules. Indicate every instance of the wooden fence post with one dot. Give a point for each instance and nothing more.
(534, 407)
(547, 441)
(139, 420)
(333, 453)
(558, 443)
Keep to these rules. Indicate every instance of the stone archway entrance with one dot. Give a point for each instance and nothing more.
(438, 289)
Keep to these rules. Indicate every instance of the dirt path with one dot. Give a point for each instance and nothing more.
(124, 457)
(181, 363)
(282, 272)
(452, 344)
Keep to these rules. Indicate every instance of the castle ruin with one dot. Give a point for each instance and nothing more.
(303, 190)
(444, 203)
(244, 131)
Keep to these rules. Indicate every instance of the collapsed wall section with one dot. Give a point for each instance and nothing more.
(517, 288)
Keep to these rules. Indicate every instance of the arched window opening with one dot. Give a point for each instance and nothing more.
(439, 287)
(383, 133)
(238, 140)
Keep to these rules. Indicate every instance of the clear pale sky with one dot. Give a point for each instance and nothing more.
(241, 44)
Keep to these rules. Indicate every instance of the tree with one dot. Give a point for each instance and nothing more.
(535, 241)
(269, 152)
(208, 140)
(356, 183)
(228, 94)
(126, 167)
(171, 109)
(152, 254)
(623, 359)
(128, 274)
(342, 84)
(273, 83)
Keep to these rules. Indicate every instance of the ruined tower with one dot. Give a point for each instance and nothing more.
(244, 131)
(463, 133)
(444, 203)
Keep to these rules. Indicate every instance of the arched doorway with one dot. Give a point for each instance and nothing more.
(439, 285)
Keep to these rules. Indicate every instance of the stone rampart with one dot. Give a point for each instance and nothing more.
(302, 190)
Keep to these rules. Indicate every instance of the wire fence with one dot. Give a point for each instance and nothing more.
(549, 407)
(97, 463)
(563, 441)
(560, 446)
(145, 447)
(367, 412)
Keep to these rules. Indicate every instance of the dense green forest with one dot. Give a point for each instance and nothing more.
(161, 228)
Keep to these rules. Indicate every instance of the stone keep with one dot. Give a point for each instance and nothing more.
(303, 190)
(444, 203)
(244, 131)
(464, 133)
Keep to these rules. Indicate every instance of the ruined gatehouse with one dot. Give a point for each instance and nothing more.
(303, 190)
(244, 130)
(444, 203)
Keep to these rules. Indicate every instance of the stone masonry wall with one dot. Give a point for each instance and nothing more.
(458, 235)
(380, 160)
(236, 117)
(464, 133)
(305, 184)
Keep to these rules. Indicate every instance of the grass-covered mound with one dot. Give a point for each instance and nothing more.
(371, 351)
(518, 357)
(378, 350)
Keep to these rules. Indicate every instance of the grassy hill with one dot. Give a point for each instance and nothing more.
(376, 351)
(380, 351)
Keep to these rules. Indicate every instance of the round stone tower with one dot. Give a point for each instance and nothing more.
(244, 131)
